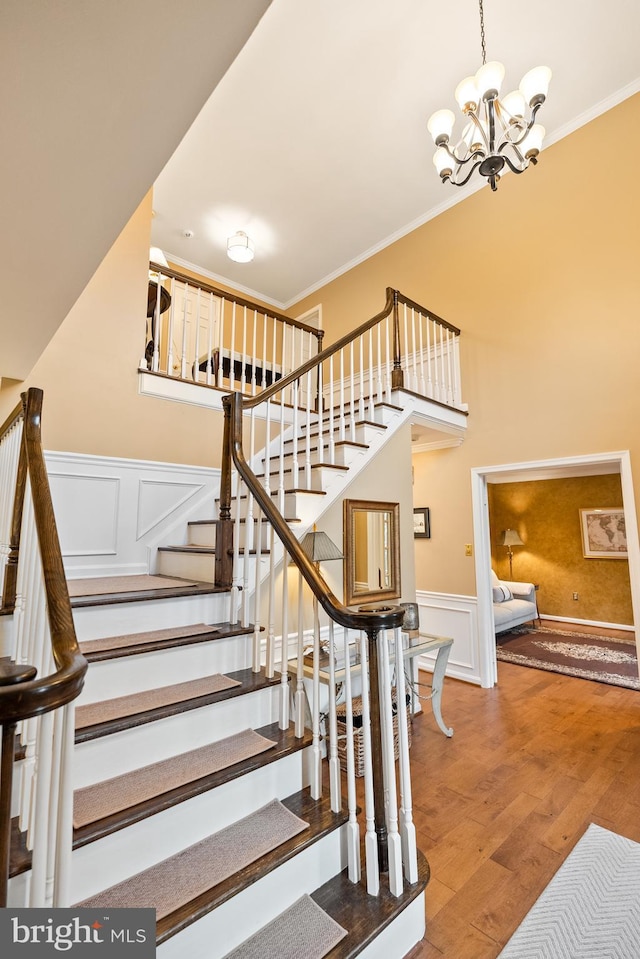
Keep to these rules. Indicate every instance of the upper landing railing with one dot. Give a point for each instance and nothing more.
(201, 334)
(197, 333)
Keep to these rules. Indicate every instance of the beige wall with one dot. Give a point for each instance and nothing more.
(546, 515)
(542, 278)
(89, 371)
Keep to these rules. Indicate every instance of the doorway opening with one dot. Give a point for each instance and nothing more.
(617, 462)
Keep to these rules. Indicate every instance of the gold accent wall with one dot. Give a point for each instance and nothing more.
(546, 515)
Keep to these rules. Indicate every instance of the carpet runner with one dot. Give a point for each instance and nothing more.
(98, 585)
(121, 792)
(303, 931)
(179, 879)
(584, 655)
(109, 709)
(590, 907)
(144, 639)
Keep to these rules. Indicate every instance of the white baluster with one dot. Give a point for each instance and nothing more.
(40, 814)
(243, 373)
(196, 361)
(372, 391)
(232, 350)
(414, 357)
(450, 393)
(62, 885)
(353, 827)
(394, 845)
(361, 379)
(299, 705)
(443, 391)
(334, 760)
(307, 429)
(183, 358)
(457, 394)
(407, 827)
(389, 358)
(223, 304)
(316, 755)
(370, 839)
(421, 347)
(284, 652)
(171, 323)
(352, 405)
(429, 358)
(405, 352)
(331, 427)
(342, 416)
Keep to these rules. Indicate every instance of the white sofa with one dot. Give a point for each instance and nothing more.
(513, 603)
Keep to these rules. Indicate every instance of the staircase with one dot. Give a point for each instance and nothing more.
(183, 737)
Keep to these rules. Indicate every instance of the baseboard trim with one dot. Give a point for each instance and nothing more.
(587, 622)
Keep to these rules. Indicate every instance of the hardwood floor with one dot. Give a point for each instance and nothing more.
(500, 805)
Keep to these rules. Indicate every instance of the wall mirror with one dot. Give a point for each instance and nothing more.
(371, 551)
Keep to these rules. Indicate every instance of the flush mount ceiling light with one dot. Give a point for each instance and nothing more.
(240, 247)
(497, 131)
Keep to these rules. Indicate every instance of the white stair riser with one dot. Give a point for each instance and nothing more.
(107, 756)
(107, 861)
(196, 566)
(400, 936)
(213, 936)
(18, 891)
(96, 622)
(204, 534)
(164, 667)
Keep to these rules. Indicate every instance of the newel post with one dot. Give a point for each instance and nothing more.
(224, 523)
(397, 378)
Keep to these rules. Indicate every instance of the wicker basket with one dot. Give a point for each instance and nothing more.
(358, 743)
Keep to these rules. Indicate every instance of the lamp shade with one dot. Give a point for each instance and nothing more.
(319, 548)
(510, 537)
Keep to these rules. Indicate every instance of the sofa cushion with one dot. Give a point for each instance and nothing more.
(506, 615)
(502, 593)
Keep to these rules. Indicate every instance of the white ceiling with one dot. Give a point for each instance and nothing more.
(315, 140)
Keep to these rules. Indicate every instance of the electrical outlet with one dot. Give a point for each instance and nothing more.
(575, 596)
(468, 549)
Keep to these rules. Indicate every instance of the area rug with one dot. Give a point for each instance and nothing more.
(303, 931)
(177, 880)
(121, 792)
(612, 661)
(105, 585)
(590, 907)
(108, 709)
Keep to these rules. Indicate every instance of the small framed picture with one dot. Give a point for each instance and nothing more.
(421, 523)
(604, 534)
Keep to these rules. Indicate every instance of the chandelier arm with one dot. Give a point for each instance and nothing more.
(464, 160)
(468, 176)
(513, 167)
(532, 120)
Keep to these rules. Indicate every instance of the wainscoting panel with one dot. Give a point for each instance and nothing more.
(447, 614)
(113, 513)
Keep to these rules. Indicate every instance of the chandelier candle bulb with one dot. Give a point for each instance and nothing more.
(534, 85)
(489, 79)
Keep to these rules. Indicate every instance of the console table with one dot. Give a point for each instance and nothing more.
(416, 646)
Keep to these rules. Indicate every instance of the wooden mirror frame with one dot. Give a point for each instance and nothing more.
(352, 596)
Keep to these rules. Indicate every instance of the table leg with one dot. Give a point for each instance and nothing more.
(437, 683)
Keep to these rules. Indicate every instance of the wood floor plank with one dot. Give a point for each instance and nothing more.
(500, 805)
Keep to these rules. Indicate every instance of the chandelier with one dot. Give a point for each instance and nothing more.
(498, 131)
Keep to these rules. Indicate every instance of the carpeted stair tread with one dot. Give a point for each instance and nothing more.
(121, 792)
(182, 878)
(133, 644)
(144, 639)
(107, 710)
(286, 744)
(98, 585)
(303, 931)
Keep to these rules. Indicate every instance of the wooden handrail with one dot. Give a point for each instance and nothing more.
(231, 296)
(40, 695)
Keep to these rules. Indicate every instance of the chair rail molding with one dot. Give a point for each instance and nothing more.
(451, 614)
